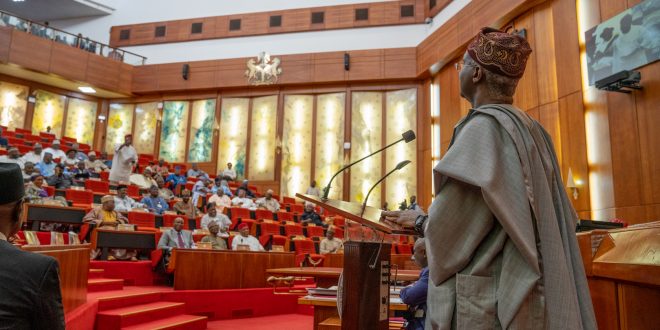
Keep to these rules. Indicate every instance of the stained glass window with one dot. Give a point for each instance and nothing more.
(366, 137)
(201, 131)
(401, 116)
(296, 144)
(233, 134)
(144, 136)
(13, 102)
(120, 123)
(263, 138)
(173, 131)
(81, 120)
(48, 111)
(329, 141)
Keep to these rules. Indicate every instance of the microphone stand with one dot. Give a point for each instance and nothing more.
(406, 136)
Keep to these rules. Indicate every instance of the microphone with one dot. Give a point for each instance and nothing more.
(398, 167)
(406, 136)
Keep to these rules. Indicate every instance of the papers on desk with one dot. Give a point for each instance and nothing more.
(329, 292)
(395, 300)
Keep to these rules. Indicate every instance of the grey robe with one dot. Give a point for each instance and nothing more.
(501, 232)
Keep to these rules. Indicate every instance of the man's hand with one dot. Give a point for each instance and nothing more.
(404, 218)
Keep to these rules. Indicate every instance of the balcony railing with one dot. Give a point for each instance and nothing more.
(78, 41)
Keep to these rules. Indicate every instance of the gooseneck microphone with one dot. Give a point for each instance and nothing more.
(366, 198)
(406, 136)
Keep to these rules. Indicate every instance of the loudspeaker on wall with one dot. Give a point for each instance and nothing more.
(185, 71)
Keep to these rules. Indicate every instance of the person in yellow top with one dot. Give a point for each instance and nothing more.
(105, 217)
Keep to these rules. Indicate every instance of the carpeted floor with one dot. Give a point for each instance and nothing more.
(284, 321)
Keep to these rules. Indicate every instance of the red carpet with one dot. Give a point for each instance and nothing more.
(132, 272)
(284, 321)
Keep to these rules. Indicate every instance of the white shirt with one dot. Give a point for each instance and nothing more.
(33, 158)
(3, 237)
(6, 159)
(251, 241)
(313, 191)
(70, 161)
(141, 181)
(242, 202)
(126, 204)
(122, 163)
(230, 173)
(56, 153)
(221, 219)
(199, 189)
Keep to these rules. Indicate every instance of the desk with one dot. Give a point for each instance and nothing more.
(329, 276)
(120, 239)
(224, 269)
(401, 260)
(325, 308)
(74, 268)
(37, 213)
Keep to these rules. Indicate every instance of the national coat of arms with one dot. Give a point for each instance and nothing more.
(263, 70)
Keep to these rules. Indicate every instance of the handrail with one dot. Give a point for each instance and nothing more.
(78, 41)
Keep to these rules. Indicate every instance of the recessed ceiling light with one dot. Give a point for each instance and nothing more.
(19, 0)
(87, 89)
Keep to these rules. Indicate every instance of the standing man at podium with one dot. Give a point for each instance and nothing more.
(500, 233)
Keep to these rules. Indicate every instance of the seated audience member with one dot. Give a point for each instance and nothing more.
(223, 185)
(330, 244)
(106, 217)
(176, 179)
(70, 159)
(13, 156)
(245, 187)
(386, 207)
(95, 165)
(185, 205)
(3, 140)
(28, 171)
(80, 173)
(37, 194)
(228, 174)
(313, 190)
(220, 200)
(29, 282)
(163, 191)
(200, 189)
(35, 155)
(413, 204)
(246, 239)
(155, 203)
(47, 166)
(242, 201)
(268, 202)
(176, 237)
(79, 154)
(310, 215)
(217, 241)
(195, 172)
(212, 215)
(158, 168)
(144, 180)
(123, 203)
(59, 179)
(414, 295)
(106, 160)
(164, 173)
(55, 150)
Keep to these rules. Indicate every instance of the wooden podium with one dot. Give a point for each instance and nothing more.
(366, 276)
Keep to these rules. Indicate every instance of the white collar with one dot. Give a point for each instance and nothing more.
(3, 237)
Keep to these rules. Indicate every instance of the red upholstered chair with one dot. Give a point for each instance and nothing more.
(403, 249)
(288, 200)
(133, 191)
(23, 131)
(32, 138)
(80, 198)
(236, 213)
(306, 253)
(193, 180)
(284, 216)
(98, 186)
(23, 149)
(14, 141)
(261, 214)
(142, 219)
(253, 189)
(50, 190)
(146, 156)
(251, 224)
(339, 221)
(272, 230)
(3, 152)
(314, 231)
(339, 233)
(47, 135)
(293, 230)
(189, 185)
(65, 139)
(168, 220)
(297, 208)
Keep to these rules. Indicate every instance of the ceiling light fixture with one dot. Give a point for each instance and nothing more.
(87, 89)
(19, 0)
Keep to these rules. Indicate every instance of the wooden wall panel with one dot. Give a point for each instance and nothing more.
(646, 102)
(574, 146)
(293, 20)
(604, 299)
(545, 53)
(527, 94)
(69, 61)
(30, 51)
(5, 43)
(567, 48)
(104, 73)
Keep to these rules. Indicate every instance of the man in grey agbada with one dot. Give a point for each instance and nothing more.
(501, 244)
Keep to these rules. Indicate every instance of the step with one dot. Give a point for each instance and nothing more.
(104, 284)
(132, 315)
(128, 299)
(96, 273)
(179, 322)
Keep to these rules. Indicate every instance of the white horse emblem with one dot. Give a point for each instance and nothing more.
(263, 70)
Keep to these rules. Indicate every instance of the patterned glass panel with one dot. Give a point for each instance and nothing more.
(120, 123)
(296, 144)
(48, 111)
(201, 131)
(13, 102)
(366, 137)
(233, 134)
(330, 141)
(144, 135)
(81, 120)
(173, 132)
(263, 138)
(401, 116)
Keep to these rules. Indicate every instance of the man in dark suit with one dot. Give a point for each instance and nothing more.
(29, 282)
